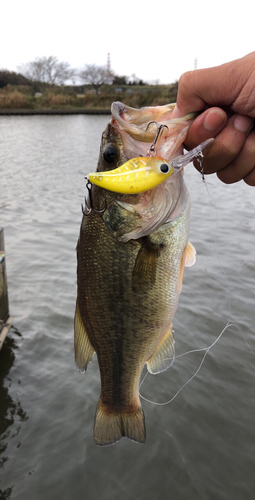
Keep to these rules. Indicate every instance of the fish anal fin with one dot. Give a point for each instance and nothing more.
(164, 355)
(190, 255)
(110, 427)
(82, 345)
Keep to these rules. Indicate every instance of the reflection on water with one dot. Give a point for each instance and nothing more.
(201, 446)
(11, 413)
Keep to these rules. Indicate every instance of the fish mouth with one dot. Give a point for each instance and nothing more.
(142, 124)
(149, 140)
(144, 166)
(139, 127)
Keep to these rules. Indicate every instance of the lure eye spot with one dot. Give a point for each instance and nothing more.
(110, 154)
(164, 168)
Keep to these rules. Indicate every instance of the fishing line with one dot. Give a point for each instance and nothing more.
(206, 349)
(228, 324)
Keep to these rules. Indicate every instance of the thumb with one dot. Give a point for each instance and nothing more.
(176, 112)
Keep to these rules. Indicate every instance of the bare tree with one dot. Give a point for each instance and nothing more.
(47, 70)
(96, 76)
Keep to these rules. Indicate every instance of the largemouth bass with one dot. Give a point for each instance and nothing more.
(131, 252)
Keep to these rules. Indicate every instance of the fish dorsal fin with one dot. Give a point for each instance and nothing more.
(164, 355)
(187, 260)
(82, 345)
(190, 255)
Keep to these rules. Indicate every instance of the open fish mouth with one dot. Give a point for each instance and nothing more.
(149, 138)
(139, 127)
(142, 124)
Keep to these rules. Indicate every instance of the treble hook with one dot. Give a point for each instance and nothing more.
(87, 210)
(158, 134)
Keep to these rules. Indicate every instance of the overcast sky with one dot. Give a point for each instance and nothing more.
(156, 41)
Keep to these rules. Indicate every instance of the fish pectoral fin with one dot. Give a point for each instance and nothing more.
(111, 426)
(164, 355)
(190, 255)
(145, 267)
(181, 272)
(82, 345)
(188, 259)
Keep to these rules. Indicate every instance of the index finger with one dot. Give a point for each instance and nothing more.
(199, 89)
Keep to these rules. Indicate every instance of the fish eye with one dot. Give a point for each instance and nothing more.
(110, 154)
(164, 168)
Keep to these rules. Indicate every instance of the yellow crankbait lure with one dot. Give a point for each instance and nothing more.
(135, 176)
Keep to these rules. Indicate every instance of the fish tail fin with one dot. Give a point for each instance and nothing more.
(110, 427)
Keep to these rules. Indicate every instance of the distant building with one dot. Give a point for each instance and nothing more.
(108, 62)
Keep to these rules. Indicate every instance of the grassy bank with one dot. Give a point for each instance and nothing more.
(78, 99)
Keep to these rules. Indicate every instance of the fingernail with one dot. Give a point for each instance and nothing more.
(243, 123)
(214, 119)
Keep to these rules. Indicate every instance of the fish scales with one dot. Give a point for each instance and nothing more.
(128, 283)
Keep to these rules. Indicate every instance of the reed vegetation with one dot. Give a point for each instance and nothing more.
(15, 99)
(83, 97)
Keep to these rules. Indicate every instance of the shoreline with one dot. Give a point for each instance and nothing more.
(60, 111)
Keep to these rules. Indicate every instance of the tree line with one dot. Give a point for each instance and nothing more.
(48, 71)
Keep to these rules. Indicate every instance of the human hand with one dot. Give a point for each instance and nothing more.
(231, 87)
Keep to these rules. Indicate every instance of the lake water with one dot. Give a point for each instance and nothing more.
(199, 446)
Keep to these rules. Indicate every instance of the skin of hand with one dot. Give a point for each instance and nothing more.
(225, 96)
